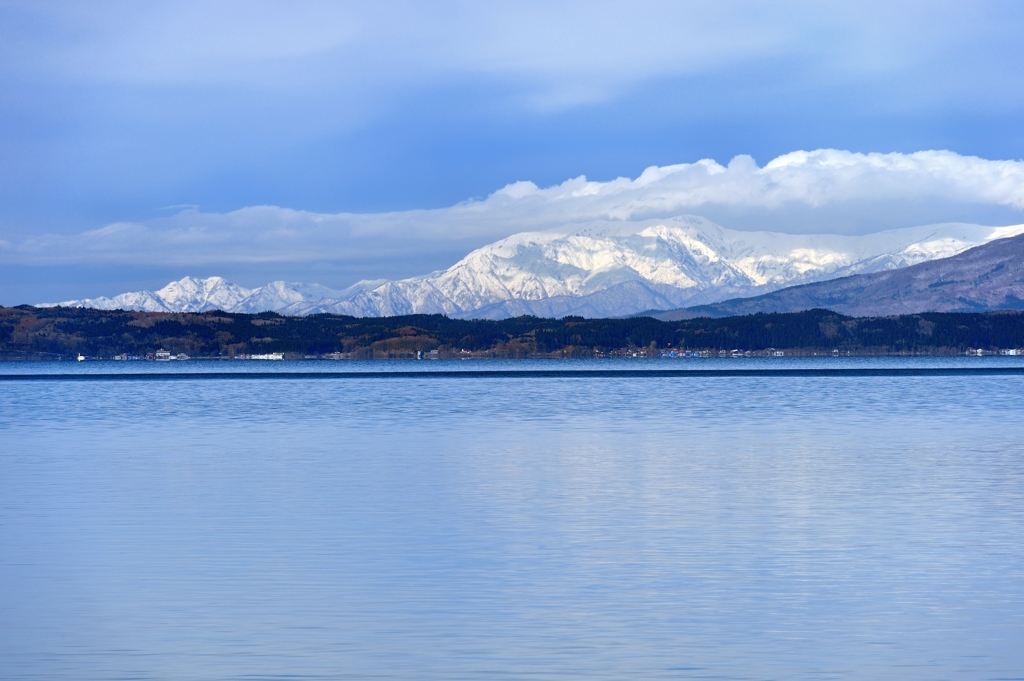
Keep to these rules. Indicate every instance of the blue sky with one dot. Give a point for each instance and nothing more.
(161, 114)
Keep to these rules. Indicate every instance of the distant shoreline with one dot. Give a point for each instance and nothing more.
(839, 372)
(72, 334)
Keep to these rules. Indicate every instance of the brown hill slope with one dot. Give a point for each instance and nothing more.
(988, 277)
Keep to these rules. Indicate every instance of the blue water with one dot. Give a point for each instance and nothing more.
(760, 527)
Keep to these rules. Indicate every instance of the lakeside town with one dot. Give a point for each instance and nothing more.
(627, 353)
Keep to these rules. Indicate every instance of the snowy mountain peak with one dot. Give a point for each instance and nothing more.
(601, 269)
(213, 293)
(185, 295)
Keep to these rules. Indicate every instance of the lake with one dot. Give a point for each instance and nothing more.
(754, 526)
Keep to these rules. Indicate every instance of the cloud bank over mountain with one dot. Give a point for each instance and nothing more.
(613, 269)
(823, 191)
(305, 135)
(114, 109)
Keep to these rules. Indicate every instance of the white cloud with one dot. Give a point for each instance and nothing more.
(797, 192)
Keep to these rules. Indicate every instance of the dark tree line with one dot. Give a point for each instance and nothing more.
(52, 332)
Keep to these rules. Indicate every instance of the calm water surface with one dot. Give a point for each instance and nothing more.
(512, 528)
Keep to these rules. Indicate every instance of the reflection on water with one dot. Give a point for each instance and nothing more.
(743, 528)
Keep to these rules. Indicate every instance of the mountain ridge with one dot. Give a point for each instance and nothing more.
(604, 269)
(986, 277)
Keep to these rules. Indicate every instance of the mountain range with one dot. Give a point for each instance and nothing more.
(987, 277)
(601, 270)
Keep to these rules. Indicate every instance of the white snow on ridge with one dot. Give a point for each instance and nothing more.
(603, 269)
(186, 295)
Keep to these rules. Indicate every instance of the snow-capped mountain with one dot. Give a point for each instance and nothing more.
(986, 277)
(605, 269)
(184, 295)
(214, 293)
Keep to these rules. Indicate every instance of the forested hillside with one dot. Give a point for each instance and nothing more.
(51, 333)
